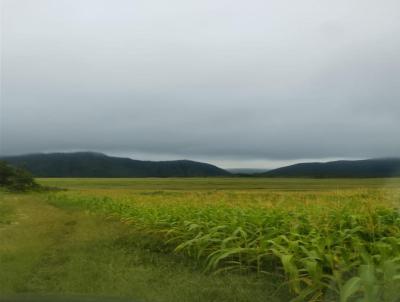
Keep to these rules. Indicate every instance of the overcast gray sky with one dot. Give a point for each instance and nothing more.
(237, 83)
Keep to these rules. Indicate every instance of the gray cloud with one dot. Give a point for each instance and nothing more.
(221, 80)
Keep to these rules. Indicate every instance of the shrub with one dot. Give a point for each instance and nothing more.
(16, 179)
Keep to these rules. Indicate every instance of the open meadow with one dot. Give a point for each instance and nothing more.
(203, 239)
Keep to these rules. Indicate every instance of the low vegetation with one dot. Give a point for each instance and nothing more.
(308, 240)
(52, 254)
(343, 245)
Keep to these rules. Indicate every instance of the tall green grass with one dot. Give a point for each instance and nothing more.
(324, 247)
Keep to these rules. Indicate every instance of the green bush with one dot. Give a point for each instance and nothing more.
(16, 179)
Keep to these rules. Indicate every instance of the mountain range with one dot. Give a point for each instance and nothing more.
(92, 164)
(384, 167)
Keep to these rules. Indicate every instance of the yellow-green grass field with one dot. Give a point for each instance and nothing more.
(203, 239)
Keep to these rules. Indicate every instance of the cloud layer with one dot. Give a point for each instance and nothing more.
(241, 80)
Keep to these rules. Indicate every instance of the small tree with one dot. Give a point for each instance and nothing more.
(16, 179)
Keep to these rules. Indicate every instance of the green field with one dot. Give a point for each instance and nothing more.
(203, 239)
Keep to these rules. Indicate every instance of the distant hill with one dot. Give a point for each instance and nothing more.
(248, 171)
(90, 164)
(386, 167)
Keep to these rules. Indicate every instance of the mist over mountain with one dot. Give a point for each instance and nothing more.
(91, 164)
(385, 167)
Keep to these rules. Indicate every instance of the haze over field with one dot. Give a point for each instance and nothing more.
(239, 84)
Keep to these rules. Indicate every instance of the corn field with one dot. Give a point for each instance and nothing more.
(342, 246)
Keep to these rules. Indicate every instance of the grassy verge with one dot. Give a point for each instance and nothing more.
(7, 211)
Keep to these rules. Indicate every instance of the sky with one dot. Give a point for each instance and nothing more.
(251, 83)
